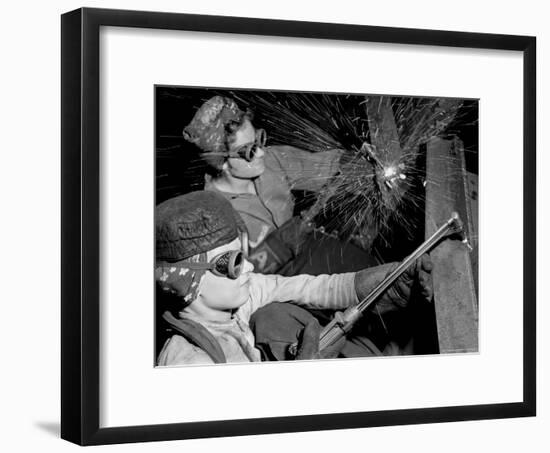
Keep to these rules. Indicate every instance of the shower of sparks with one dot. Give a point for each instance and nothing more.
(312, 123)
(373, 190)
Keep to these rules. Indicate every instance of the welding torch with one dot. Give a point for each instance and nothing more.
(343, 322)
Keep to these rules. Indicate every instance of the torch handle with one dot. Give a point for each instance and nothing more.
(453, 224)
(343, 322)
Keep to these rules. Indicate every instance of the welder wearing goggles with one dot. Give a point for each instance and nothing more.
(200, 264)
(258, 180)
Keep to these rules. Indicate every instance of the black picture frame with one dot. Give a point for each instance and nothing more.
(80, 318)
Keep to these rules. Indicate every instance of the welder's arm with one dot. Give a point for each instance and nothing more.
(312, 171)
(339, 291)
(335, 291)
(306, 170)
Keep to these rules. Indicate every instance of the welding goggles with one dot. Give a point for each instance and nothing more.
(249, 150)
(227, 264)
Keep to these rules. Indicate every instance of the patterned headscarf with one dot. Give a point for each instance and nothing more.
(208, 128)
(179, 281)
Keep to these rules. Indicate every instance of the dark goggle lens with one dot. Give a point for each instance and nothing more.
(248, 152)
(229, 264)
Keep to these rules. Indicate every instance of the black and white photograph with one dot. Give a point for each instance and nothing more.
(307, 225)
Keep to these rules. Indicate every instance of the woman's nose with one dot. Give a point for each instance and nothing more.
(260, 152)
(248, 266)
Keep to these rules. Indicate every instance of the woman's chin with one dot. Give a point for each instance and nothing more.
(249, 170)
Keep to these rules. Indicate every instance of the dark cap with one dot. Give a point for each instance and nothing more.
(194, 223)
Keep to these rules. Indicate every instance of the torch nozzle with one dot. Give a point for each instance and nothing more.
(455, 222)
(458, 228)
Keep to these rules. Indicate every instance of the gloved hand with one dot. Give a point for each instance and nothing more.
(398, 295)
(279, 325)
(308, 345)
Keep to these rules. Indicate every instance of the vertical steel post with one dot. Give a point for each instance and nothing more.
(455, 291)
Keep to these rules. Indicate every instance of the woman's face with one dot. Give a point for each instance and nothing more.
(241, 168)
(224, 293)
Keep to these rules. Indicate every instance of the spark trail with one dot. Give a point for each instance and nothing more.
(375, 188)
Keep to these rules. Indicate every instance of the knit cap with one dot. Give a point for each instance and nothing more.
(194, 223)
(186, 227)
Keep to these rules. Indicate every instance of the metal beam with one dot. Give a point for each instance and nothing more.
(455, 293)
(382, 127)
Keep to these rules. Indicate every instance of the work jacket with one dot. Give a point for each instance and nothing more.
(286, 168)
(335, 291)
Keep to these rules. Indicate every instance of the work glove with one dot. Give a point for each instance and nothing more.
(308, 344)
(279, 325)
(417, 277)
